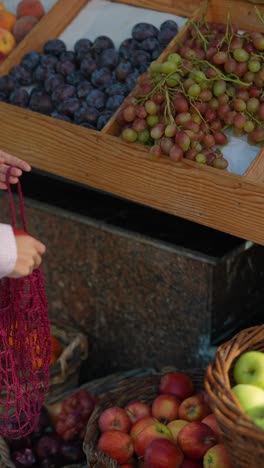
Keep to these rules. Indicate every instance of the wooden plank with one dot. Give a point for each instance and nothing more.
(255, 172)
(180, 8)
(202, 194)
(242, 14)
(49, 27)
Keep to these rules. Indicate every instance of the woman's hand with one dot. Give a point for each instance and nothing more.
(29, 255)
(7, 160)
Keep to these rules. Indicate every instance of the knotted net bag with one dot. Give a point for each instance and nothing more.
(25, 346)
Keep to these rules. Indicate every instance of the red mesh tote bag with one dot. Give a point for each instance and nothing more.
(24, 345)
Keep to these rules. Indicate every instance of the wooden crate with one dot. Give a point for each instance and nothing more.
(221, 200)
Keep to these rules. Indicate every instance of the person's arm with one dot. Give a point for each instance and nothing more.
(18, 164)
(19, 255)
(8, 250)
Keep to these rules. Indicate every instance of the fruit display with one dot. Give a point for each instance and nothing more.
(175, 429)
(14, 27)
(56, 349)
(249, 389)
(57, 439)
(86, 85)
(212, 81)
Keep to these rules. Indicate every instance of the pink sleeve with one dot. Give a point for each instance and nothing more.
(8, 250)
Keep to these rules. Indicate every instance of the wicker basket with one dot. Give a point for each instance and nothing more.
(64, 374)
(138, 388)
(97, 387)
(243, 439)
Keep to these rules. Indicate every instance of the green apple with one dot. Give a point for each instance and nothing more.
(257, 415)
(249, 395)
(249, 369)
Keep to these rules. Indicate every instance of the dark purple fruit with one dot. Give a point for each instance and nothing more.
(86, 114)
(96, 98)
(72, 451)
(54, 47)
(142, 31)
(53, 461)
(23, 458)
(3, 97)
(140, 57)
(166, 35)
(117, 88)
(59, 116)
(88, 66)
(126, 47)
(156, 53)
(48, 444)
(131, 80)
(83, 45)
(103, 119)
(169, 24)
(67, 55)
(49, 60)
(42, 72)
(69, 106)
(41, 102)
(108, 58)
(52, 81)
(101, 43)
(88, 125)
(19, 97)
(7, 84)
(102, 78)
(122, 70)
(63, 92)
(113, 102)
(74, 77)
(83, 88)
(150, 44)
(65, 67)
(22, 75)
(31, 60)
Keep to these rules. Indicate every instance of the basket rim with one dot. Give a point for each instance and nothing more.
(225, 404)
(109, 397)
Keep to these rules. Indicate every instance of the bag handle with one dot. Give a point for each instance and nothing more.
(12, 205)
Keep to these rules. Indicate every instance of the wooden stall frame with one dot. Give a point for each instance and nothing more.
(221, 200)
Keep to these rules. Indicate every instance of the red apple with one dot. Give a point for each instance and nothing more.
(165, 407)
(140, 425)
(118, 445)
(210, 420)
(204, 396)
(127, 465)
(137, 410)
(191, 464)
(162, 453)
(217, 457)
(193, 409)
(195, 439)
(150, 433)
(114, 418)
(175, 427)
(177, 384)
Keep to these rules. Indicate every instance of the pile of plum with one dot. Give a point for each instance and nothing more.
(84, 86)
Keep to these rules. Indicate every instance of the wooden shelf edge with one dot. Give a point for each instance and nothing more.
(49, 27)
(185, 8)
(255, 172)
(214, 198)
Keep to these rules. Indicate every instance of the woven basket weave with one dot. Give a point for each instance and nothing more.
(132, 389)
(97, 387)
(64, 373)
(242, 438)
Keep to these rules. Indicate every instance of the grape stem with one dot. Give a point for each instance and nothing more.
(221, 75)
(259, 14)
(202, 37)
